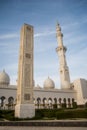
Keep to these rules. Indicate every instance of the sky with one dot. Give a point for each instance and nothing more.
(43, 16)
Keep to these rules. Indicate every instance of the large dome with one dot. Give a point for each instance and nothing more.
(49, 83)
(4, 78)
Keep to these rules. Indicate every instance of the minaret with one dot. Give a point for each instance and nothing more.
(25, 107)
(61, 49)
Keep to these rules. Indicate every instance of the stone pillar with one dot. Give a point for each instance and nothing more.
(25, 107)
(64, 70)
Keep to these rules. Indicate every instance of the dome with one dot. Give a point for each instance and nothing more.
(4, 78)
(49, 83)
(38, 86)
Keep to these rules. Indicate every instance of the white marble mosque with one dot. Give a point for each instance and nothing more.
(49, 95)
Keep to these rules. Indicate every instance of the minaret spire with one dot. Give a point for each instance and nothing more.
(61, 49)
(59, 35)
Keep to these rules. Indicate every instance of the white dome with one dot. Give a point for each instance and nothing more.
(38, 86)
(49, 83)
(4, 78)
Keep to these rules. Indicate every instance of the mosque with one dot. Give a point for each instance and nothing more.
(48, 96)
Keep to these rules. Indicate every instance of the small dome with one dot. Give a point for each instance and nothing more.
(4, 78)
(49, 83)
(38, 86)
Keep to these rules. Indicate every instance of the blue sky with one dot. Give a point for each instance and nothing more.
(43, 15)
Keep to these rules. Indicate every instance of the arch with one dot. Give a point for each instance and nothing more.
(64, 103)
(73, 100)
(38, 102)
(50, 99)
(44, 102)
(50, 102)
(69, 103)
(60, 103)
(11, 100)
(60, 100)
(3, 98)
(55, 100)
(55, 103)
(74, 103)
(68, 100)
(64, 100)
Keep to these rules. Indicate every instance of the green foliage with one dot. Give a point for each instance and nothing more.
(69, 114)
(63, 115)
(55, 106)
(74, 104)
(6, 114)
(86, 105)
(47, 114)
(63, 105)
(38, 114)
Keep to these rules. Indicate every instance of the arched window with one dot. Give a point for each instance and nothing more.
(50, 100)
(44, 102)
(68, 100)
(73, 100)
(64, 103)
(60, 103)
(3, 101)
(55, 100)
(38, 100)
(10, 100)
(60, 100)
(69, 103)
(55, 103)
(64, 100)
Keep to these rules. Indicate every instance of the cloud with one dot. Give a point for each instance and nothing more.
(70, 26)
(8, 36)
(47, 33)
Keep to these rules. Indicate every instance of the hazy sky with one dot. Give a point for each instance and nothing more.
(43, 15)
